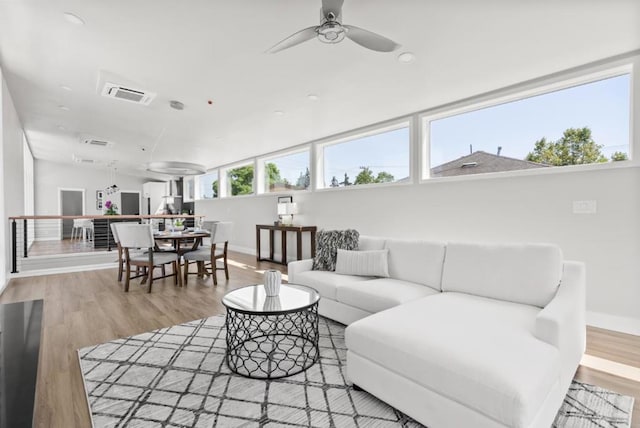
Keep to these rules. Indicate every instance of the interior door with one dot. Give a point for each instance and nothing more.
(130, 202)
(70, 204)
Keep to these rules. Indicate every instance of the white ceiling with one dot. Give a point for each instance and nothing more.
(209, 49)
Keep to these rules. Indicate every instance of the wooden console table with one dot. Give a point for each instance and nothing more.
(284, 229)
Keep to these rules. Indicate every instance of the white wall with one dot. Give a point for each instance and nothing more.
(51, 176)
(3, 248)
(12, 185)
(503, 208)
(29, 189)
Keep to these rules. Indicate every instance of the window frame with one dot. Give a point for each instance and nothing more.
(516, 93)
(259, 177)
(317, 179)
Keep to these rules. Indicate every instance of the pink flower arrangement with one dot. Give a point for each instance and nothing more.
(112, 209)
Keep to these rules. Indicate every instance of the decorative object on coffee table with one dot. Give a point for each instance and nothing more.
(272, 281)
(268, 339)
(272, 304)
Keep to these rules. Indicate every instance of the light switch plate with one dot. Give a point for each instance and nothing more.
(584, 207)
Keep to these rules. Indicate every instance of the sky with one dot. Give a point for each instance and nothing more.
(388, 151)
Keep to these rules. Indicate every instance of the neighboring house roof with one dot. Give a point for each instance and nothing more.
(481, 162)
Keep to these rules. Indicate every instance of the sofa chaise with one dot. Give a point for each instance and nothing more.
(460, 334)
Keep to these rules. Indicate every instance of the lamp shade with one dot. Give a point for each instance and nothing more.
(282, 209)
(291, 208)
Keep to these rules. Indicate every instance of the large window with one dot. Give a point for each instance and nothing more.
(239, 180)
(582, 124)
(207, 185)
(286, 173)
(382, 157)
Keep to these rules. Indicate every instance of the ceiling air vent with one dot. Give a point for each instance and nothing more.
(97, 143)
(138, 96)
(78, 159)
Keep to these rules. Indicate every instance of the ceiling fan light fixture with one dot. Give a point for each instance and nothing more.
(331, 32)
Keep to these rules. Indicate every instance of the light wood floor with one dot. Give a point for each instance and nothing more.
(63, 246)
(87, 308)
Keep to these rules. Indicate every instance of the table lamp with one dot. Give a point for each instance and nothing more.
(291, 209)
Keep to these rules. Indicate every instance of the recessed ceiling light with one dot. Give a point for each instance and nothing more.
(278, 113)
(177, 105)
(62, 128)
(74, 19)
(65, 108)
(65, 87)
(406, 57)
(313, 97)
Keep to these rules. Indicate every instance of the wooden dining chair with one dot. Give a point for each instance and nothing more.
(208, 255)
(140, 236)
(121, 261)
(116, 239)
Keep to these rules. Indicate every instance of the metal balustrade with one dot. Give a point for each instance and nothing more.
(50, 242)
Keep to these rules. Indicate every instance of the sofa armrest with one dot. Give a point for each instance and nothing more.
(296, 267)
(562, 322)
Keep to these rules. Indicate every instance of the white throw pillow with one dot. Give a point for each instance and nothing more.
(363, 263)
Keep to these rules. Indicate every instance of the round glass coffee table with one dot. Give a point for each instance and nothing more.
(271, 337)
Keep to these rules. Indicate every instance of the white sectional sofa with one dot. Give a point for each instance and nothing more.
(461, 334)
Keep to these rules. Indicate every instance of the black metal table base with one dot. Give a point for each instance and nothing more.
(271, 346)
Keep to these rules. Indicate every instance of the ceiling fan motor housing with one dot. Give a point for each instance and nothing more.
(331, 32)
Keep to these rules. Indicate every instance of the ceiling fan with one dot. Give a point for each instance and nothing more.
(331, 30)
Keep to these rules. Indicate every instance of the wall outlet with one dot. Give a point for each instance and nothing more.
(584, 207)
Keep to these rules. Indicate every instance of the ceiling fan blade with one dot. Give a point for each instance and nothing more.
(332, 6)
(295, 39)
(370, 40)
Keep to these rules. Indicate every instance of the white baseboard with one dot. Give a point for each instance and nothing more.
(53, 238)
(66, 269)
(252, 251)
(6, 282)
(614, 322)
(243, 250)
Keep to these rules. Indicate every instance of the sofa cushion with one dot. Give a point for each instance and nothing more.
(325, 282)
(363, 263)
(416, 261)
(520, 273)
(379, 294)
(368, 243)
(327, 244)
(479, 352)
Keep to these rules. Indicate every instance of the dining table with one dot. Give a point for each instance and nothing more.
(177, 238)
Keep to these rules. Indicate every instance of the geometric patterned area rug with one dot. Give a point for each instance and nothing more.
(177, 377)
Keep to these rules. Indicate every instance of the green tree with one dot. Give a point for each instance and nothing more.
(576, 147)
(304, 180)
(619, 156)
(272, 174)
(214, 187)
(384, 177)
(365, 176)
(241, 180)
(346, 181)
